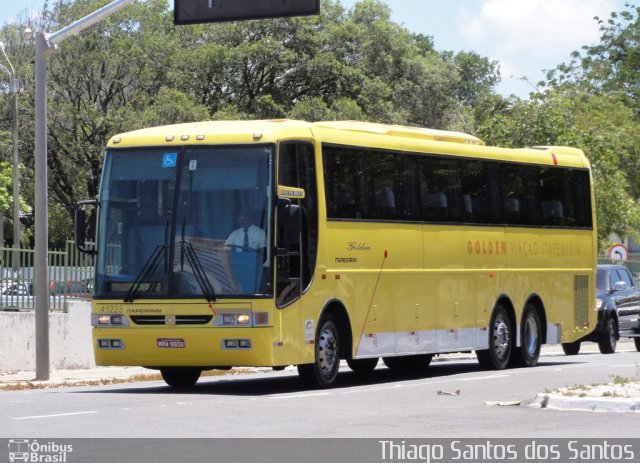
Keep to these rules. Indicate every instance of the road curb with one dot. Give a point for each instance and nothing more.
(592, 404)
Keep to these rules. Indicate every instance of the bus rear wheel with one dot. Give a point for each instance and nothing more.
(180, 378)
(528, 353)
(500, 342)
(324, 371)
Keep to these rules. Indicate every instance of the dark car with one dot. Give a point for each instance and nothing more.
(618, 303)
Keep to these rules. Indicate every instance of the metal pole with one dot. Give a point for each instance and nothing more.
(41, 225)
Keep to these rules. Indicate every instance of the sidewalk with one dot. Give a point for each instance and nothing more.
(622, 396)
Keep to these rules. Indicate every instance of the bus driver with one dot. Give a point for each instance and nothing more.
(248, 237)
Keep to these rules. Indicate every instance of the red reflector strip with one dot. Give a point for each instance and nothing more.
(278, 344)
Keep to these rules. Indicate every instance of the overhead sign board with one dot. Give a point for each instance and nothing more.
(207, 11)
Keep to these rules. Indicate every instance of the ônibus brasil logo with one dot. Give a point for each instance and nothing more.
(33, 451)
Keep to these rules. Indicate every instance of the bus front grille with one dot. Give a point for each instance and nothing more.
(179, 320)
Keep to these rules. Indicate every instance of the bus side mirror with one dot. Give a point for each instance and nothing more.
(81, 227)
(288, 226)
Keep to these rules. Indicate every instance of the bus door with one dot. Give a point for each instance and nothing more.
(297, 237)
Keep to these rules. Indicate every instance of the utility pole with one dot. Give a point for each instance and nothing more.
(45, 44)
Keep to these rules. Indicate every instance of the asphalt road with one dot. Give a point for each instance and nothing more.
(274, 404)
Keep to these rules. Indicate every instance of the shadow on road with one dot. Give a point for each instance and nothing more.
(272, 383)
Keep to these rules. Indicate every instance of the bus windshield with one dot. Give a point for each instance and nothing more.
(186, 223)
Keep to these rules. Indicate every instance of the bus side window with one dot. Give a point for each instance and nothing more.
(434, 206)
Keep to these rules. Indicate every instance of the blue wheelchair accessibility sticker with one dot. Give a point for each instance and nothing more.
(169, 159)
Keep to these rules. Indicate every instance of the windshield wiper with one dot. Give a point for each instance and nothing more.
(198, 271)
(150, 266)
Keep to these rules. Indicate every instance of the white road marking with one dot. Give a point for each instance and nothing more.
(88, 412)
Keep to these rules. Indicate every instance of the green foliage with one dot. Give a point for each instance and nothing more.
(602, 126)
(137, 69)
(591, 102)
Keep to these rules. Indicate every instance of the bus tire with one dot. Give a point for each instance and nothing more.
(323, 372)
(528, 353)
(362, 365)
(608, 339)
(407, 363)
(500, 341)
(181, 378)
(571, 348)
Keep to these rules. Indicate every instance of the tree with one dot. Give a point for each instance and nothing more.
(611, 66)
(136, 69)
(601, 125)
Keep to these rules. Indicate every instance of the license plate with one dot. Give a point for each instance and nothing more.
(166, 343)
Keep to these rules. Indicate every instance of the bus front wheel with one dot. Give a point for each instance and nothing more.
(180, 378)
(500, 342)
(323, 372)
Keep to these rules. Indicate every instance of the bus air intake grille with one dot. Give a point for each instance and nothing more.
(580, 300)
(179, 319)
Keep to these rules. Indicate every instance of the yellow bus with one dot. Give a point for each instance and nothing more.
(276, 243)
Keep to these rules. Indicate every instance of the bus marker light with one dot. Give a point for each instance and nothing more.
(104, 320)
(257, 136)
(243, 319)
(199, 137)
(184, 137)
(261, 318)
(169, 138)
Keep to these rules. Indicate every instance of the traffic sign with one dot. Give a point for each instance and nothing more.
(207, 11)
(618, 252)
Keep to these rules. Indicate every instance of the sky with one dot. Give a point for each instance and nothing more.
(525, 37)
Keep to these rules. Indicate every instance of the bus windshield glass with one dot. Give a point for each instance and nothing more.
(186, 223)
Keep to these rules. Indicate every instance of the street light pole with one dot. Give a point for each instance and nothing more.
(14, 88)
(41, 248)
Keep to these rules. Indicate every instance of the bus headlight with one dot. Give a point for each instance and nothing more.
(233, 319)
(101, 320)
(243, 319)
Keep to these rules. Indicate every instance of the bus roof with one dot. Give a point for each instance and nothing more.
(401, 131)
(356, 133)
